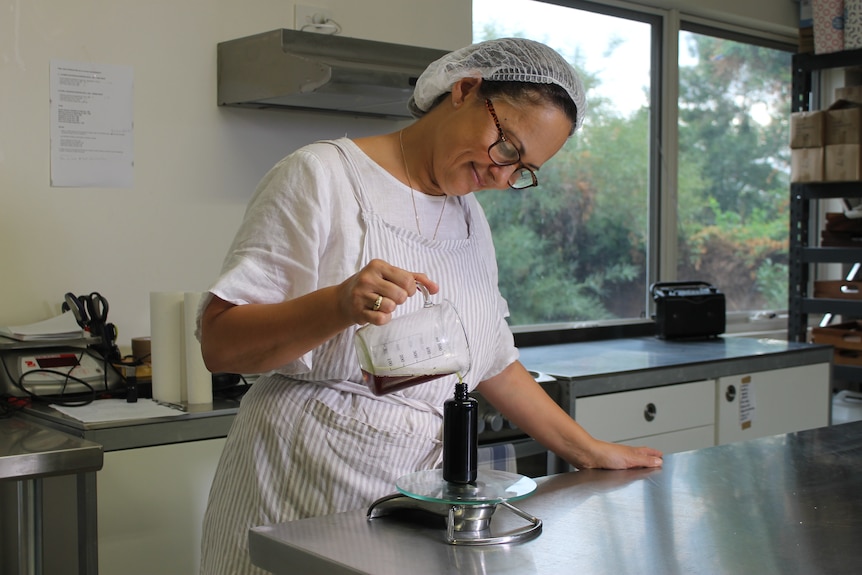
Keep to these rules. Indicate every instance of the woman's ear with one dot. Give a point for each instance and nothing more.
(465, 88)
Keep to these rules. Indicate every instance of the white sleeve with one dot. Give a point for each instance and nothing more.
(276, 253)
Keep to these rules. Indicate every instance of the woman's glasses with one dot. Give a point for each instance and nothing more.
(504, 153)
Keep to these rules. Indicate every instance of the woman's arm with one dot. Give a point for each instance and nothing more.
(522, 401)
(255, 338)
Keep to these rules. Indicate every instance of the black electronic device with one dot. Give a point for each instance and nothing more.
(37, 369)
(688, 309)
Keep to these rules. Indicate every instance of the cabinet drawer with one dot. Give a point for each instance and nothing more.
(632, 414)
(773, 402)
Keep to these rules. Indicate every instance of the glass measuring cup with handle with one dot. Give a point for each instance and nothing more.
(414, 348)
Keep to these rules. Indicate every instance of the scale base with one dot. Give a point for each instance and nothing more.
(466, 509)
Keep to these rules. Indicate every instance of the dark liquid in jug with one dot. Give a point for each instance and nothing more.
(383, 384)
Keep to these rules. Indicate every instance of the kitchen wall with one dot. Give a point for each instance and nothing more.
(196, 164)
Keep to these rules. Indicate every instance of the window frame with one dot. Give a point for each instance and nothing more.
(661, 257)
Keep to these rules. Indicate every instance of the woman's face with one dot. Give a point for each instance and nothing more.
(461, 163)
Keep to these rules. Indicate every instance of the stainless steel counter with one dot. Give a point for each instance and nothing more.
(784, 504)
(203, 421)
(588, 367)
(30, 452)
(608, 366)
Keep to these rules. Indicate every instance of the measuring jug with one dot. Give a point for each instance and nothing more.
(413, 348)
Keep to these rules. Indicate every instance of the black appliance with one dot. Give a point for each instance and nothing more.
(689, 309)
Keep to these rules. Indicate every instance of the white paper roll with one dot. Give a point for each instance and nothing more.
(199, 381)
(166, 333)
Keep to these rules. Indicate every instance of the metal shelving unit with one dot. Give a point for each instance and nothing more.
(804, 244)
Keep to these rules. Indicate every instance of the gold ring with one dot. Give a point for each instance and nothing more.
(377, 303)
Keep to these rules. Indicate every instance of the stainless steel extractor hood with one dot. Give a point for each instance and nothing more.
(303, 70)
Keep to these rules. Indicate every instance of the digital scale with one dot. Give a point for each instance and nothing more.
(466, 508)
(466, 497)
(43, 369)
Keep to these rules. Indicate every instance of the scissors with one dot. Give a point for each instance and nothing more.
(90, 311)
(97, 308)
(73, 304)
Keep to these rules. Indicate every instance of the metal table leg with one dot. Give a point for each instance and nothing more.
(88, 533)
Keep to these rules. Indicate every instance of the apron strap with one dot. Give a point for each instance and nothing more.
(353, 176)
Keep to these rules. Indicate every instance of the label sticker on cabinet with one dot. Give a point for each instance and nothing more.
(746, 402)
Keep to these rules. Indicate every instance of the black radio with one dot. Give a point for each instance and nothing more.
(688, 309)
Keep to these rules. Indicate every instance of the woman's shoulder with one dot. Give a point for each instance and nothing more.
(323, 157)
(319, 152)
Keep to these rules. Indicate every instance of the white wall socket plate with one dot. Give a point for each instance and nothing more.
(306, 17)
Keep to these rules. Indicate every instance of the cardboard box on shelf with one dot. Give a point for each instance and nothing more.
(841, 240)
(828, 18)
(806, 165)
(846, 338)
(843, 228)
(806, 41)
(843, 123)
(842, 163)
(838, 289)
(806, 129)
(849, 93)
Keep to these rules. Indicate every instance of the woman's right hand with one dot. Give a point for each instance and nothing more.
(253, 338)
(373, 293)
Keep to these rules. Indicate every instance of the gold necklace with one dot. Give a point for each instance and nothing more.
(413, 192)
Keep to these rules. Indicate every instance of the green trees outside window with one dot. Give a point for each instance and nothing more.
(575, 249)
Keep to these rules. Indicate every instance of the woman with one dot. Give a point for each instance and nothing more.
(337, 235)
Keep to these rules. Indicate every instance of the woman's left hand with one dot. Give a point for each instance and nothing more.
(516, 394)
(605, 455)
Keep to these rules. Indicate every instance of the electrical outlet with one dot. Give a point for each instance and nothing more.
(310, 18)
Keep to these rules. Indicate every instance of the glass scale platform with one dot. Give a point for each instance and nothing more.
(467, 508)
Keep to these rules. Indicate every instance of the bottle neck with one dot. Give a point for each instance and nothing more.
(460, 391)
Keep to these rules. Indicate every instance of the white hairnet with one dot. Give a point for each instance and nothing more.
(503, 59)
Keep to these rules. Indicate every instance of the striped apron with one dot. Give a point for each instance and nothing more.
(300, 448)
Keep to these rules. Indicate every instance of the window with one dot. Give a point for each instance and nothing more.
(582, 249)
(734, 168)
(575, 248)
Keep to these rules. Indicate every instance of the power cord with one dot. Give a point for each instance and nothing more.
(63, 398)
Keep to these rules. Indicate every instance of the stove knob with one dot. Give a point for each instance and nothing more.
(480, 426)
(494, 420)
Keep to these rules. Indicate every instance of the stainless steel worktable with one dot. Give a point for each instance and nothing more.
(589, 368)
(204, 421)
(30, 452)
(784, 504)
(607, 366)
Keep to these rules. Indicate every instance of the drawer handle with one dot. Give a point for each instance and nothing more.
(649, 411)
(730, 393)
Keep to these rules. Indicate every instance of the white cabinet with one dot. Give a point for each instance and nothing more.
(151, 502)
(671, 418)
(772, 402)
(686, 416)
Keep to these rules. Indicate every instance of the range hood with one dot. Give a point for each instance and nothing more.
(303, 70)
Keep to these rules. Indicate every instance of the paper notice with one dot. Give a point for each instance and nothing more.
(91, 125)
(746, 402)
